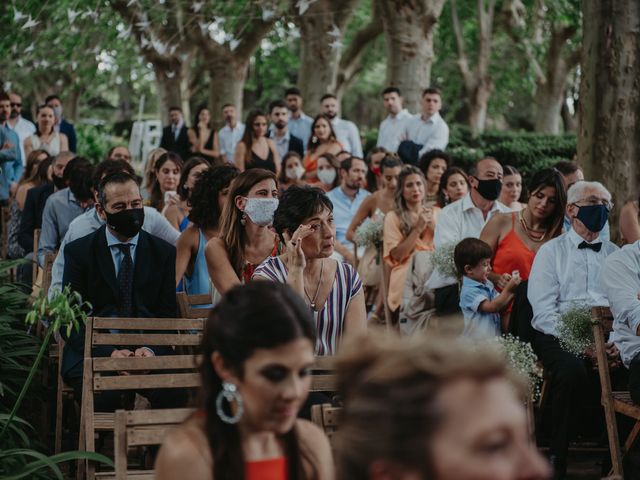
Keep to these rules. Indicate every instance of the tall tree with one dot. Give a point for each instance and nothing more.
(478, 84)
(409, 28)
(609, 133)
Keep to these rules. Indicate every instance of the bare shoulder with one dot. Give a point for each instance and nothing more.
(185, 454)
(313, 439)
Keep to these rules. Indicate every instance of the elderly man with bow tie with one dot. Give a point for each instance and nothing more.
(566, 271)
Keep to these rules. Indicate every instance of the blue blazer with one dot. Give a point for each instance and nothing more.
(68, 129)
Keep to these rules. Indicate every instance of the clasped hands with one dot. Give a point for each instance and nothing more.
(141, 352)
(508, 282)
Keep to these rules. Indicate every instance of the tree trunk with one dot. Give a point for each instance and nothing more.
(478, 103)
(125, 108)
(169, 83)
(569, 121)
(609, 135)
(227, 76)
(72, 103)
(548, 106)
(409, 26)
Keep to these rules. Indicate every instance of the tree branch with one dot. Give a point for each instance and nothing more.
(463, 61)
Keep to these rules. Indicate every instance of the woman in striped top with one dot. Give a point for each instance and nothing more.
(332, 289)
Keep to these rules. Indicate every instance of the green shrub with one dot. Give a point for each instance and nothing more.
(94, 142)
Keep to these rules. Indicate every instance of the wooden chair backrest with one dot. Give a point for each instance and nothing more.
(36, 242)
(4, 230)
(142, 428)
(188, 305)
(384, 287)
(323, 376)
(327, 417)
(49, 258)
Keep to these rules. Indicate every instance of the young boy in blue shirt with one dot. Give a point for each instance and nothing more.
(479, 300)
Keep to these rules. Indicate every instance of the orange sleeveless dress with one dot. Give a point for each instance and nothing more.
(272, 469)
(512, 254)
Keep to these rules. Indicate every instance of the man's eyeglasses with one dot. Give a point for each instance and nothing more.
(587, 202)
(16, 104)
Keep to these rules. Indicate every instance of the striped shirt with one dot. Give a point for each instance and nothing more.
(329, 320)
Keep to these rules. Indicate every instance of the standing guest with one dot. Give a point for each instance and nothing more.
(177, 211)
(23, 127)
(245, 238)
(119, 152)
(175, 138)
(427, 131)
(154, 223)
(285, 141)
(299, 122)
(479, 300)
(373, 159)
(327, 172)
(433, 165)
(331, 289)
(65, 205)
(39, 164)
(122, 272)
(439, 409)
(572, 174)
(61, 125)
(256, 150)
(167, 172)
(203, 138)
(392, 128)
(454, 184)
(150, 171)
(257, 350)
(346, 131)
(230, 134)
(408, 228)
(292, 172)
(511, 189)
(346, 199)
(566, 271)
(207, 201)
(515, 237)
(10, 160)
(323, 141)
(46, 136)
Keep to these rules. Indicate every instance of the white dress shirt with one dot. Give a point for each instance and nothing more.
(563, 275)
(462, 219)
(282, 143)
(392, 130)
(431, 134)
(348, 135)
(24, 128)
(301, 127)
(620, 281)
(228, 139)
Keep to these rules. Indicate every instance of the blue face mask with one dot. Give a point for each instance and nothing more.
(594, 217)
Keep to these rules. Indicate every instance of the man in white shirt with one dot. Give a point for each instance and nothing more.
(566, 271)
(230, 134)
(428, 129)
(23, 127)
(392, 128)
(299, 122)
(346, 132)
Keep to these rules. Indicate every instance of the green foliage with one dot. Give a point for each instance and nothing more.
(93, 142)
(522, 359)
(575, 330)
(443, 260)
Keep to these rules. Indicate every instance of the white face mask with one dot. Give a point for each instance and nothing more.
(260, 210)
(327, 176)
(295, 173)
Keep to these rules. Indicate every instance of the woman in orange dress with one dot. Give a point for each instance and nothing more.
(515, 237)
(323, 140)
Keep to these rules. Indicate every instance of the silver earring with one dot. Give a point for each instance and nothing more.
(229, 393)
(243, 219)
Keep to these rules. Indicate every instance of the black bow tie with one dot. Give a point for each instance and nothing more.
(596, 247)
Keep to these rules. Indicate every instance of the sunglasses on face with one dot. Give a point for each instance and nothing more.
(16, 104)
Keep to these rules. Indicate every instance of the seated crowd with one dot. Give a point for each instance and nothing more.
(265, 217)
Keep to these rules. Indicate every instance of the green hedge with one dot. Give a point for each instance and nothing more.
(94, 142)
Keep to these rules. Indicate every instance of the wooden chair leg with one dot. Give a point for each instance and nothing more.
(631, 438)
(59, 412)
(531, 420)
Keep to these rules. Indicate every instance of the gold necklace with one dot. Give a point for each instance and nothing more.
(531, 233)
(312, 302)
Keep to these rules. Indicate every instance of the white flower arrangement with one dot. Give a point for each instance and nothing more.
(369, 233)
(443, 261)
(521, 358)
(575, 330)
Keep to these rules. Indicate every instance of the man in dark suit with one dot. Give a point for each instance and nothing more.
(174, 136)
(121, 271)
(285, 142)
(62, 125)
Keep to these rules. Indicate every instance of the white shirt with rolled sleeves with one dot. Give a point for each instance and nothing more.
(348, 135)
(620, 279)
(392, 130)
(24, 128)
(229, 139)
(431, 134)
(562, 276)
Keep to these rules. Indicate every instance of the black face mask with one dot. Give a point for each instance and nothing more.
(59, 182)
(489, 189)
(126, 222)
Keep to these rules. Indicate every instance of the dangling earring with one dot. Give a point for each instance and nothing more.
(243, 219)
(314, 139)
(229, 393)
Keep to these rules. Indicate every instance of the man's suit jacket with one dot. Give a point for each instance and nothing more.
(89, 269)
(69, 130)
(32, 214)
(181, 145)
(296, 145)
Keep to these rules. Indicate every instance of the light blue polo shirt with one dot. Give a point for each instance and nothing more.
(344, 210)
(476, 323)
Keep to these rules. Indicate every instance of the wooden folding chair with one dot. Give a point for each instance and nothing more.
(191, 306)
(613, 402)
(49, 258)
(137, 429)
(384, 287)
(5, 214)
(63, 392)
(327, 417)
(323, 376)
(36, 242)
(101, 373)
